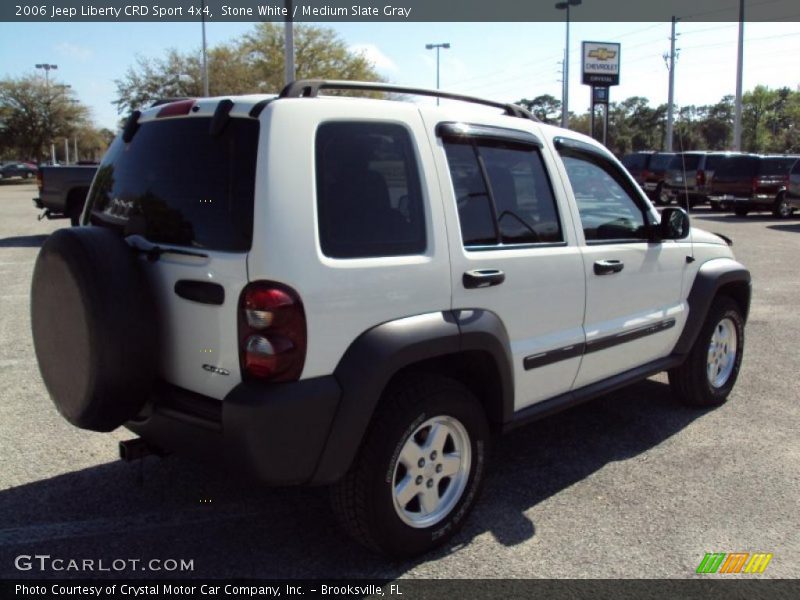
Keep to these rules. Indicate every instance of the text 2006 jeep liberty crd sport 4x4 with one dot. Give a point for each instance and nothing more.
(362, 292)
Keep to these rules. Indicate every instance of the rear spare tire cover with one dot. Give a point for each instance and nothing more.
(94, 327)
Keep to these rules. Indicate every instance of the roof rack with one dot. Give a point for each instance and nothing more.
(310, 88)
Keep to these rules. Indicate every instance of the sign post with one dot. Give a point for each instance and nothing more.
(600, 69)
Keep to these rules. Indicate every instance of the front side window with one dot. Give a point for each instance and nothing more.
(369, 196)
(608, 210)
(502, 193)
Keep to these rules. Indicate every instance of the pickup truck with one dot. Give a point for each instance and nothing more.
(63, 190)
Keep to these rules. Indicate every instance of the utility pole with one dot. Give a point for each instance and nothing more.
(671, 99)
(737, 117)
(564, 5)
(288, 43)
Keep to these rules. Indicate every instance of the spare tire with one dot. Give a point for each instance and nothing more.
(94, 327)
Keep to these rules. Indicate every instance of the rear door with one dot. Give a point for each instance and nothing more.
(184, 198)
(513, 249)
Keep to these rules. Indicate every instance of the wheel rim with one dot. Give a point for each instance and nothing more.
(783, 208)
(431, 471)
(722, 353)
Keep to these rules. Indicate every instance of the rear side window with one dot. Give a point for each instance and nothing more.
(660, 162)
(369, 197)
(775, 166)
(689, 162)
(502, 193)
(175, 183)
(737, 166)
(636, 162)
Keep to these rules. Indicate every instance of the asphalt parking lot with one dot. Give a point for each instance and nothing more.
(631, 485)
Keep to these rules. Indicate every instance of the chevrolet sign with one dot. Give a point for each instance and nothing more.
(600, 63)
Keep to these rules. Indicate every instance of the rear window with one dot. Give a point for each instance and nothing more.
(174, 183)
(635, 161)
(660, 162)
(689, 162)
(741, 166)
(714, 160)
(775, 166)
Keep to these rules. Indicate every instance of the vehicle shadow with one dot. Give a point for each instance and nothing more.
(791, 228)
(175, 509)
(23, 241)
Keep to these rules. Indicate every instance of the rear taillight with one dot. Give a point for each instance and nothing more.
(755, 184)
(272, 332)
(646, 175)
(700, 177)
(39, 179)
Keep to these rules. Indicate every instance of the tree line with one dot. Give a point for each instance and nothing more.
(770, 122)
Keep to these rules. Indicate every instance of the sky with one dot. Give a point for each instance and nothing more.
(500, 61)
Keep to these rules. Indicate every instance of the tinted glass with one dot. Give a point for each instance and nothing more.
(635, 161)
(607, 210)
(175, 183)
(517, 206)
(775, 166)
(660, 162)
(368, 191)
(737, 166)
(713, 161)
(685, 161)
(796, 168)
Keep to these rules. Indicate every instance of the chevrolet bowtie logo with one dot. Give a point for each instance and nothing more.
(602, 54)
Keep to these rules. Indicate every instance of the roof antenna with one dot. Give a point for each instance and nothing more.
(690, 258)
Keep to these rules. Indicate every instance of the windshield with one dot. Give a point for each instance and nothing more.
(175, 183)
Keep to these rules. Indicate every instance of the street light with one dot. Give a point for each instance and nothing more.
(565, 76)
(46, 68)
(438, 47)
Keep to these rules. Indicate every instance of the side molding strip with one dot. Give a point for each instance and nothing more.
(546, 358)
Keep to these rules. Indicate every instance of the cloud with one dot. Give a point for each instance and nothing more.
(373, 54)
(74, 51)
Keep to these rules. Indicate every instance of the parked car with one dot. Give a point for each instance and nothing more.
(364, 293)
(793, 189)
(750, 183)
(63, 190)
(649, 170)
(12, 169)
(685, 179)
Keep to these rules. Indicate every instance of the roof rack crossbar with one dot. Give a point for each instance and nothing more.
(310, 88)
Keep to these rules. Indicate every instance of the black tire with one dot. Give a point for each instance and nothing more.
(741, 211)
(715, 206)
(782, 209)
(94, 327)
(363, 500)
(690, 382)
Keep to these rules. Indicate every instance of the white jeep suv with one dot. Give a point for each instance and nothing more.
(361, 292)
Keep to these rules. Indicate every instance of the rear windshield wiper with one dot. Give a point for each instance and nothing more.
(153, 253)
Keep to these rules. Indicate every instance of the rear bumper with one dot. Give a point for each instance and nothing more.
(755, 200)
(275, 432)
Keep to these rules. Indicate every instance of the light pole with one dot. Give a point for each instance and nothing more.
(438, 47)
(565, 89)
(47, 67)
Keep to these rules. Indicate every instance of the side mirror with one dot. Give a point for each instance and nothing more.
(674, 224)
